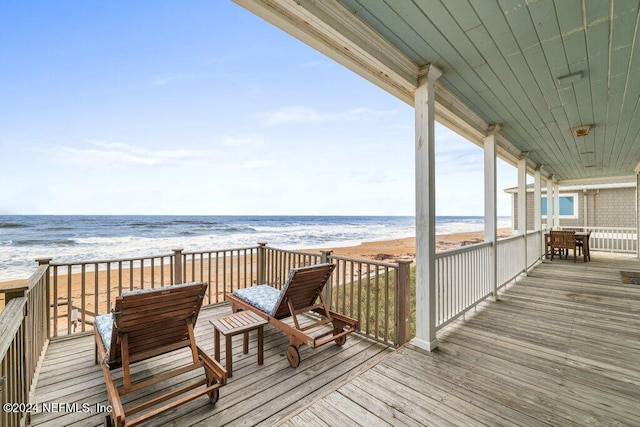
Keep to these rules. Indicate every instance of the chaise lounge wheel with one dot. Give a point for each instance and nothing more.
(214, 395)
(341, 340)
(293, 356)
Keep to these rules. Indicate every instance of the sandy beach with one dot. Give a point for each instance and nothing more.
(386, 250)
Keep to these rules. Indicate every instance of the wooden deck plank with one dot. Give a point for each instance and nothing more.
(561, 347)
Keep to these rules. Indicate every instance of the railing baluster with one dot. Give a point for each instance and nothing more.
(82, 297)
(69, 300)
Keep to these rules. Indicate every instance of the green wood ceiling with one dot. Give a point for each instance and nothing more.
(502, 58)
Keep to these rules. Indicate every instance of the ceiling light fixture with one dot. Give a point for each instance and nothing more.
(581, 130)
(569, 78)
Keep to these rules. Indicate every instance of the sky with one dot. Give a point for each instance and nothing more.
(202, 108)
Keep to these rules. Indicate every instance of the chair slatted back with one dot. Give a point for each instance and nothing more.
(156, 322)
(303, 287)
(562, 239)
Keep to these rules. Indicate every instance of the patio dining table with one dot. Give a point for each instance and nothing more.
(582, 237)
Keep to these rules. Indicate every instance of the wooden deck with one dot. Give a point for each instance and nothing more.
(561, 347)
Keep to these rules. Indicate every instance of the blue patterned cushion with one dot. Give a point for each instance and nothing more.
(104, 323)
(263, 297)
(292, 273)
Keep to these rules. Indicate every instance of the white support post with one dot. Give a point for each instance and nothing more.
(490, 205)
(537, 199)
(537, 208)
(556, 204)
(550, 202)
(425, 210)
(638, 214)
(522, 204)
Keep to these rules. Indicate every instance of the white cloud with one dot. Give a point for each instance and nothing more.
(169, 78)
(119, 154)
(302, 114)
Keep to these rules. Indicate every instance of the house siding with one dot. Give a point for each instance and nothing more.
(611, 207)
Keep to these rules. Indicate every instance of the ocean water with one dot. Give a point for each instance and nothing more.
(24, 238)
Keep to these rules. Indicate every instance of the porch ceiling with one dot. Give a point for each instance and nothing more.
(501, 60)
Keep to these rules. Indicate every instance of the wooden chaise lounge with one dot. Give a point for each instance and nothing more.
(301, 293)
(146, 324)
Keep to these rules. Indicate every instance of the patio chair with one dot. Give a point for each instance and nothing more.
(149, 323)
(301, 293)
(583, 247)
(563, 240)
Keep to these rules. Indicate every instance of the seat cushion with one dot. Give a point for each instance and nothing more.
(263, 297)
(104, 323)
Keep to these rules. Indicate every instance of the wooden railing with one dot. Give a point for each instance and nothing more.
(610, 239)
(225, 270)
(365, 290)
(463, 279)
(82, 289)
(463, 275)
(510, 259)
(377, 294)
(535, 247)
(23, 337)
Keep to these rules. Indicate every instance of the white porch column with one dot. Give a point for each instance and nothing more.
(537, 209)
(638, 214)
(550, 202)
(490, 205)
(537, 197)
(556, 204)
(425, 210)
(522, 204)
(522, 193)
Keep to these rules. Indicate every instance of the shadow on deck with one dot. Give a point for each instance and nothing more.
(561, 347)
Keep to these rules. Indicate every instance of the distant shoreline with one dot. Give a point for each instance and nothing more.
(382, 250)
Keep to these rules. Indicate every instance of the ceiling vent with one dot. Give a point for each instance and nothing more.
(581, 130)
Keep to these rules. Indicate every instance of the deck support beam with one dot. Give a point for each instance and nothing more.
(490, 205)
(425, 209)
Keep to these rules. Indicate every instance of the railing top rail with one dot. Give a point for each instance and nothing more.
(514, 237)
(367, 261)
(220, 250)
(594, 227)
(293, 251)
(26, 285)
(461, 249)
(10, 320)
(106, 261)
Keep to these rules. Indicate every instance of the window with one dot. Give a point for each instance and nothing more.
(568, 206)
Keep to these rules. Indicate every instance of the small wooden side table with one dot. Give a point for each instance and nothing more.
(234, 324)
